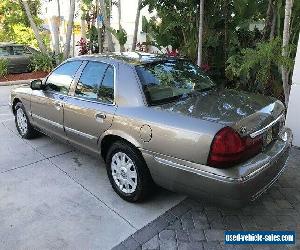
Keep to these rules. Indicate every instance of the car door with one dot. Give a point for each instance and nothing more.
(20, 58)
(47, 105)
(89, 112)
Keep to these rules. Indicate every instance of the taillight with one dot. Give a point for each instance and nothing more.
(229, 148)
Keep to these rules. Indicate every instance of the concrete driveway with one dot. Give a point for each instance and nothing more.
(54, 197)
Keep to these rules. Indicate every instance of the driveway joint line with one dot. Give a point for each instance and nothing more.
(26, 165)
(29, 164)
(94, 195)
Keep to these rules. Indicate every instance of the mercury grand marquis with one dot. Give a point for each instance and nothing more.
(160, 120)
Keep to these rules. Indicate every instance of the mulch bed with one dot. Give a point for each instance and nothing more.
(24, 76)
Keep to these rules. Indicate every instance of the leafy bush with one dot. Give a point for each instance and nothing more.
(121, 36)
(41, 62)
(258, 69)
(3, 67)
(25, 35)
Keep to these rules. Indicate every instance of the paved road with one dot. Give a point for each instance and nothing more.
(54, 197)
(197, 225)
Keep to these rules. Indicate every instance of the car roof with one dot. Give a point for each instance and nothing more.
(133, 58)
(10, 44)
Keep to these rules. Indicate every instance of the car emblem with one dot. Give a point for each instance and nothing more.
(243, 130)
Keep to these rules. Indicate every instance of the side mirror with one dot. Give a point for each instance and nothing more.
(36, 85)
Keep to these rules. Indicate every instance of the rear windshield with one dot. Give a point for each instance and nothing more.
(169, 80)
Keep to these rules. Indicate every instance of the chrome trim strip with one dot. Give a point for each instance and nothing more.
(48, 121)
(261, 131)
(195, 171)
(217, 176)
(92, 101)
(88, 136)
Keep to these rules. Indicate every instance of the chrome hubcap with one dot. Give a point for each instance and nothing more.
(124, 172)
(22, 121)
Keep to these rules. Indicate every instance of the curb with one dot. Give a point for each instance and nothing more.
(19, 82)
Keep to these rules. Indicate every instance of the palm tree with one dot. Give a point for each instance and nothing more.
(285, 51)
(119, 14)
(136, 25)
(55, 31)
(41, 44)
(69, 29)
(108, 33)
(200, 33)
(105, 7)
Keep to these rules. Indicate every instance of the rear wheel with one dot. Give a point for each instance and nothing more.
(23, 125)
(127, 172)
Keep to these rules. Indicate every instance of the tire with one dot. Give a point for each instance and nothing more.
(23, 125)
(133, 172)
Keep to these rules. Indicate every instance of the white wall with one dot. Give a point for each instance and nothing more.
(129, 8)
(293, 114)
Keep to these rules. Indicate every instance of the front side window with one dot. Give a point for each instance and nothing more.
(62, 77)
(169, 80)
(90, 80)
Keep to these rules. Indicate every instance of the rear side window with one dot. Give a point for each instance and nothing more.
(62, 77)
(90, 80)
(106, 91)
(96, 83)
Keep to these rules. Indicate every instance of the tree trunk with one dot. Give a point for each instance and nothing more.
(273, 26)
(83, 28)
(54, 29)
(226, 31)
(110, 45)
(41, 44)
(82, 22)
(119, 14)
(59, 24)
(69, 29)
(106, 20)
(200, 33)
(285, 52)
(268, 22)
(99, 29)
(136, 25)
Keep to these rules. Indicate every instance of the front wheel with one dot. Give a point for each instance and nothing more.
(128, 173)
(23, 125)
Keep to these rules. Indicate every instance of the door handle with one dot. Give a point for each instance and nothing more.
(100, 117)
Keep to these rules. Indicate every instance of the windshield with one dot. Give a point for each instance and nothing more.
(168, 80)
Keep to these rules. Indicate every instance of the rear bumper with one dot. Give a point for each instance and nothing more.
(234, 186)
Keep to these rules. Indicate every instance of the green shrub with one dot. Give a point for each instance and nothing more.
(41, 62)
(3, 67)
(257, 69)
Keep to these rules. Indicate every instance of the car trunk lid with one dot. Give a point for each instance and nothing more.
(245, 112)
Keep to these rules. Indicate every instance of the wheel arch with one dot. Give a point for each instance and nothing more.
(108, 138)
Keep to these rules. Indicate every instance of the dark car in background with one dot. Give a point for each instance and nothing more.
(18, 56)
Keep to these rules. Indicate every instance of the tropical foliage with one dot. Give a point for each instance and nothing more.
(41, 62)
(121, 36)
(3, 67)
(239, 36)
(15, 25)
